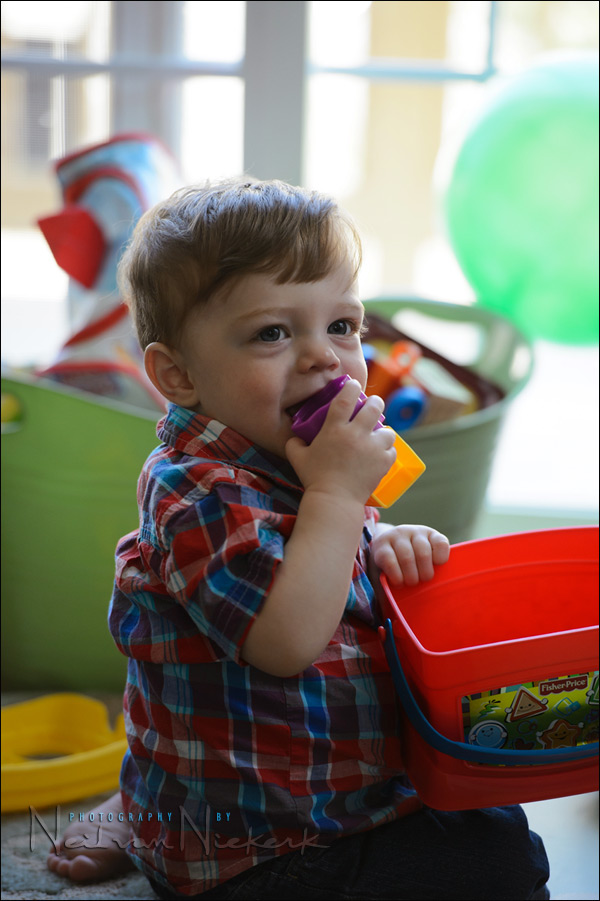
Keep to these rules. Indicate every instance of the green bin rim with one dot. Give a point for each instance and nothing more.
(463, 313)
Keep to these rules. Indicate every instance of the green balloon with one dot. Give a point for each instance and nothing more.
(522, 203)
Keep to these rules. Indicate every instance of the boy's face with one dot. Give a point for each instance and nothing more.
(254, 356)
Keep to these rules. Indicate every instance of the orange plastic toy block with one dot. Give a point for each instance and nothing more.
(402, 474)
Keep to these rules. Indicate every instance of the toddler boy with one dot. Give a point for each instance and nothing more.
(264, 758)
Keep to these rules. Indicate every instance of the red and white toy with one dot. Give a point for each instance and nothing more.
(105, 189)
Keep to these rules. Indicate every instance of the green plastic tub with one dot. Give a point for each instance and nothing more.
(70, 466)
(458, 453)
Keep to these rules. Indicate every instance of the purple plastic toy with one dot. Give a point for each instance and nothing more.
(309, 419)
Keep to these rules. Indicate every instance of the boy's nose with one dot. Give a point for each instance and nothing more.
(317, 354)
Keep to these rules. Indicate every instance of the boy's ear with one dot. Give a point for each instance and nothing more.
(166, 370)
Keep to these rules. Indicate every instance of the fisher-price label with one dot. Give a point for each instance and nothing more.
(560, 712)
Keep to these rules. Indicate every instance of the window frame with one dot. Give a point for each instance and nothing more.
(276, 41)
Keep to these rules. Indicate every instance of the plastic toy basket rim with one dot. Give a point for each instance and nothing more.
(456, 652)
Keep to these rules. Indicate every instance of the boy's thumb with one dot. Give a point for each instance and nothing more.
(293, 447)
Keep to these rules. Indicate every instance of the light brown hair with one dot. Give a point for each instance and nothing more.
(190, 247)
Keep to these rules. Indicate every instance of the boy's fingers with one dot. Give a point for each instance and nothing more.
(343, 404)
(423, 554)
(388, 563)
(294, 446)
(440, 548)
(387, 436)
(405, 556)
(409, 557)
(370, 412)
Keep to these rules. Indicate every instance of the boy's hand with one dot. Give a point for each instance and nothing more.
(407, 554)
(347, 458)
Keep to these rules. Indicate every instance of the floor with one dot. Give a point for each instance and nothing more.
(569, 827)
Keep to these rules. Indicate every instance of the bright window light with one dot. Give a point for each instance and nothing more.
(214, 32)
(212, 140)
(61, 20)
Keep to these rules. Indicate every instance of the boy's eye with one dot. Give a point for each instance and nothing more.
(271, 333)
(342, 327)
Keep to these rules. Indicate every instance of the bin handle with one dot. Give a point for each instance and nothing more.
(459, 750)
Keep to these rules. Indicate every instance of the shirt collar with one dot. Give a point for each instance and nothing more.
(199, 436)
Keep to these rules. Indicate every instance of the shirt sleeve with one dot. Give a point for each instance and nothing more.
(223, 551)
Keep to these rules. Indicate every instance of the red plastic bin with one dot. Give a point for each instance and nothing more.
(496, 660)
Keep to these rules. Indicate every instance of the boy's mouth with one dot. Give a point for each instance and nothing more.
(291, 411)
(317, 395)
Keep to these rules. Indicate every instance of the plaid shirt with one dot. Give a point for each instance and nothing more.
(227, 765)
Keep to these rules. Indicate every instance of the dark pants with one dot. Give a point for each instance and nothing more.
(478, 854)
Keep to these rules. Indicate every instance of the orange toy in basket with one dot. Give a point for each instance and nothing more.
(496, 665)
